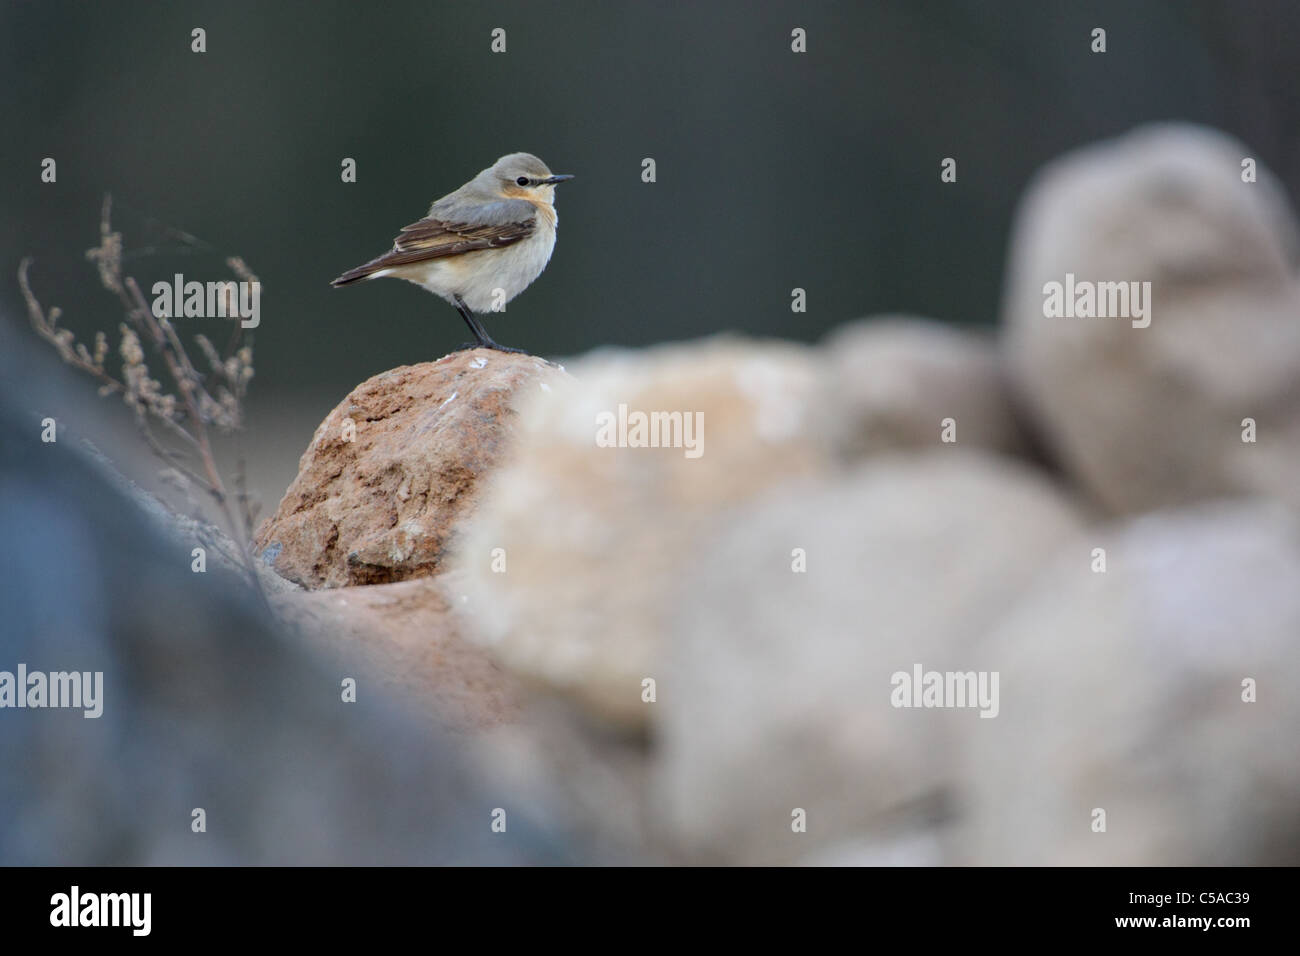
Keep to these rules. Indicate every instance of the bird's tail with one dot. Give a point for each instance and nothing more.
(371, 270)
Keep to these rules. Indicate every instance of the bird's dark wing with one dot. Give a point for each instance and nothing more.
(489, 226)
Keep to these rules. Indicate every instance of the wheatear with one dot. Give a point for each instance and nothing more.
(481, 245)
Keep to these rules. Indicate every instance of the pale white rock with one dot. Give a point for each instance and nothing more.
(775, 687)
(895, 379)
(1148, 417)
(594, 535)
(1122, 691)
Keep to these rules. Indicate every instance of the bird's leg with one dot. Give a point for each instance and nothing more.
(484, 340)
(480, 333)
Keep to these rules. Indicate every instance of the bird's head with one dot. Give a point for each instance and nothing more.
(522, 176)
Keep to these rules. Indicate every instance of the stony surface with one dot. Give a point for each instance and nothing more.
(774, 691)
(395, 467)
(591, 535)
(894, 380)
(1150, 417)
(407, 641)
(1122, 691)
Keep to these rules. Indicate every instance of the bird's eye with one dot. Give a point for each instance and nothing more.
(522, 180)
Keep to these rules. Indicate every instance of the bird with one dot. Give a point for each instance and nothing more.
(479, 246)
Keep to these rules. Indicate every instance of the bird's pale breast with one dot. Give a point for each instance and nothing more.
(477, 276)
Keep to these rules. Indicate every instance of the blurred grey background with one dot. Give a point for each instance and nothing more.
(775, 170)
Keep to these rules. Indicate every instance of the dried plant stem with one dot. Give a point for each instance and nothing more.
(184, 375)
(201, 399)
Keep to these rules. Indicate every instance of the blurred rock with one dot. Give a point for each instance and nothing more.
(1123, 691)
(206, 703)
(591, 536)
(405, 637)
(775, 688)
(1149, 417)
(895, 379)
(189, 530)
(395, 467)
(586, 778)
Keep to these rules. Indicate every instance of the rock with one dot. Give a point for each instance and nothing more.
(567, 563)
(774, 691)
(896, 379)
(408, 642)
(1149, 417)
(582, 779)
(1122, 691)
(383, 502)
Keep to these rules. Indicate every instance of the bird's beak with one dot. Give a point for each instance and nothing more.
(552, 180)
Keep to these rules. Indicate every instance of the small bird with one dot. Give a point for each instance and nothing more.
(479, 246)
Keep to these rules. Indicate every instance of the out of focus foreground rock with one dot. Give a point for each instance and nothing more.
(576, 535)
(1160, 692)
(773, 685)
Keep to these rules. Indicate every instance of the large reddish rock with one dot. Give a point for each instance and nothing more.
(395, 467)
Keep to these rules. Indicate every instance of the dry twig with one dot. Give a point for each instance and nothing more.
(197, 401)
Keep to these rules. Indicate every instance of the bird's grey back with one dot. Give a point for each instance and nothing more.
(479, 201)
(465, 207)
